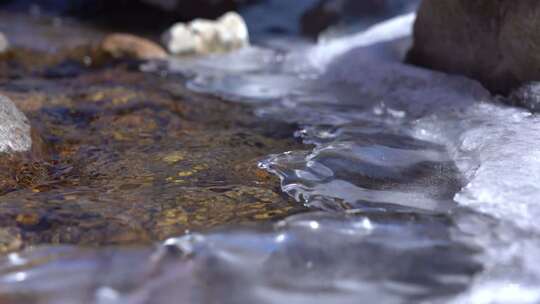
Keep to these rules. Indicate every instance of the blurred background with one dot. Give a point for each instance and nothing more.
(307, 18)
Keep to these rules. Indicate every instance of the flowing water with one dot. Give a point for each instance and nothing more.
(421, 188)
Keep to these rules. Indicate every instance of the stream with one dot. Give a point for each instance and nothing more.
(419, 186)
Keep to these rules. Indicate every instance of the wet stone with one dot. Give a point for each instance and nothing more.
(28, 219)
(527, 96)
(10, 240)
(133, 161)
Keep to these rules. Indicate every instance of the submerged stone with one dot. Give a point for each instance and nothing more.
(10, 240)
(495, 42)
(136, 158)
(15, 135)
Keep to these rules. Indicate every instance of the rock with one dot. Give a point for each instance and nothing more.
(320, 17)
(495, 42)
(28, 219)
(10, 240)
(202, 36)
(4, 44)
(125, 45)
(157, 159)
(527, 96)
(15, 131)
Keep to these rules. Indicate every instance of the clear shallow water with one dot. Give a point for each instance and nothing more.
(319, 257)
(423, 189)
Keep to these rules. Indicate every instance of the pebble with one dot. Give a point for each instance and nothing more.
(121, 45)
(10, 240)
(28, 219)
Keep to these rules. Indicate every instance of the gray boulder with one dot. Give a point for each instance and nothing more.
(15, 131)
(495, 42)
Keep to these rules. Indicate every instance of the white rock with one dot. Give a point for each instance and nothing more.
(14, 128)
(233, 32)
(179, 39)
(206, 35)
(202, 36)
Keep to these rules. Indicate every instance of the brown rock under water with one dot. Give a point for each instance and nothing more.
(495, 42)
(134, 158)
(10, 240)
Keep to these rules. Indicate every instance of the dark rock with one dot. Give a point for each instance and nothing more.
(527, 96)
(495, 42)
